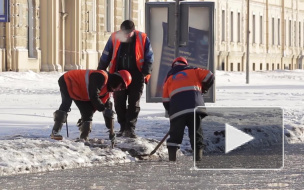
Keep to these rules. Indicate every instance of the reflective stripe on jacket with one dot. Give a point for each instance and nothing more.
(77, 82)
(182, 91)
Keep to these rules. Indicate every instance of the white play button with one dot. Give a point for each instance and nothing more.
(243, 138)
(235, 138)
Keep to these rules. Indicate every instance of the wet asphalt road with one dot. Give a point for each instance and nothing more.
(166, 175)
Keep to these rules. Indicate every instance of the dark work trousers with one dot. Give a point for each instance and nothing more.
(127, 114)
(177, 127)
(85, 107)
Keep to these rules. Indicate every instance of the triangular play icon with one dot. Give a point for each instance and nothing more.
(235, 138)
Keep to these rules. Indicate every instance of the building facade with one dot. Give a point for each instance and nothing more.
(61, 35)
(276, 38)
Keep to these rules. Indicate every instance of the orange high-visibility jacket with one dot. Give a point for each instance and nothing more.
(140, 43)
(77, 82)
(182, 91)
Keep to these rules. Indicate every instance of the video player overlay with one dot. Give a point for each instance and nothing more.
(237, 138)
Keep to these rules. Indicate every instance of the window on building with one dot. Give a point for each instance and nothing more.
(109, 15)
(272, 30)
(223, 25)
(279, 32)
(300, 34)
(239, 28)
(31, 30)
(261, 29)
(285, 29)
(289, 32)
(231, 28)
(127, 9)
(94, 8)
(253, 28)
(278, 66)
(223, 66)
(273, 66)
(253, 66)
(267, 66)
(92, 17)
(239, 66)
(261, 66)
(295, 34)
(231, 66)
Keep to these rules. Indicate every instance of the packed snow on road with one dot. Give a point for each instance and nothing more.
(29, 99)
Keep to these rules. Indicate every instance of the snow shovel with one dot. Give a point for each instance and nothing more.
(158, 145)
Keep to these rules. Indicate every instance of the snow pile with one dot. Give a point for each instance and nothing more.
(29, 99)
(30, 155)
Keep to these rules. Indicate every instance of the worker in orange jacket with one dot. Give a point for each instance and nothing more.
(128, 49)
(182, 93)
(90, 90)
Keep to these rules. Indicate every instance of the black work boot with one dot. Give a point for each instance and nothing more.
(129, 132)
(122, 129)
(60, 118)
(119, 133)
(199, 155)
(85, 129)
(172, 153)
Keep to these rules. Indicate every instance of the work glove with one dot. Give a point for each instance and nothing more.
(147, 78)
(146, 81)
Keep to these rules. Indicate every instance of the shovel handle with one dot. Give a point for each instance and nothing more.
(67, 128)
(160, 143)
